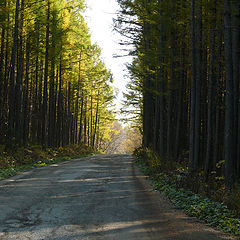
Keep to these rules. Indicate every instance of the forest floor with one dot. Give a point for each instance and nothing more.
(16, 160)
(98, 197)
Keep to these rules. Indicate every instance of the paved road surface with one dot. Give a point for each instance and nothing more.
(99, 197)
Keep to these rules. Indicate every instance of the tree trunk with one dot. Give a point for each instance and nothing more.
(2, 76)
(77, 102)
(6, 78)
(198, 86)
(69, 114)
(229, 104)
(18, 88)
(45, 89)
(2, 102)
(81, 121)
(170, 126)
(11, 119)
(147, 96)
(161, 84)
(36, 118)
(96, 121)
(59, 108)
(211, 84)
(85, 123)
(88, 131)
(40, 107)
(193, 87)
(180, 102)
(26, 97)
(236, 66)
(91, 121)
(51, 124)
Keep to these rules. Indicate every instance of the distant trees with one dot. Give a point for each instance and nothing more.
(54, 88)
(120, 139)
(186, 70)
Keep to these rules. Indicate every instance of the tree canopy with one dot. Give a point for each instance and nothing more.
(55, 89)
(185, 81)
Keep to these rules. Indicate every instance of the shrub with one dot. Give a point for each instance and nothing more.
(15, 160)
(173, 180)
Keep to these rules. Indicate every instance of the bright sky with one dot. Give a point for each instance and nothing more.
(99, 17)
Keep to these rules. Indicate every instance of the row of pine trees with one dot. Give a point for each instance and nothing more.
(186, 73)
(54, 88)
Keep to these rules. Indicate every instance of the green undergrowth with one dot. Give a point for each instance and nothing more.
(18, 160)
(214, 213)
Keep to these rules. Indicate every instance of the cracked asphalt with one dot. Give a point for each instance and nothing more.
(99, 197)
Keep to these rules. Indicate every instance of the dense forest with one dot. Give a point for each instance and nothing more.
(54, 88)
(185, 81)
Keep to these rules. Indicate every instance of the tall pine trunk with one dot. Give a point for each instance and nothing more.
(45, 89)
(11, 119)
(197, 129)
(170, 127)
(236, 84)
(26, 96)
(36, 92)
(96, 122)
(40, 100)
(69, 114)
(161, 84)
(85, 123)
(19, 78)
(81, 120)
(229, 104)
(2, 74)
(51, 124)
(180, 103)
(147, 96)
(211, 84)
(193, 87)
(59, 108)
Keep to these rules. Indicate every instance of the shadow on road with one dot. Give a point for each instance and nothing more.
(99, 197)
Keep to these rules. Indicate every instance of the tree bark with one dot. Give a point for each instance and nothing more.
(40, 106)
(19, 78)
(81, 120)
(96, 121)
(211, 83)
(229, 104)
(147, 96)
(193, 87)
(36, 118)
(59, 108)
(198, 86)
(2, 102)
(11, 119)
(51, 124)
(26, 97)
(161, 85)
(69, 114)
(45, 89)
(2, 74)
(170, 127)
(236, 69)
(180, 102)
(85, 123)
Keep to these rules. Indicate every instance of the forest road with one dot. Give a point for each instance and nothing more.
(98, 197)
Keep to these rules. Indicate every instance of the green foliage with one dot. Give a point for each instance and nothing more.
(13, 162)
(214, 213)
(58, 67)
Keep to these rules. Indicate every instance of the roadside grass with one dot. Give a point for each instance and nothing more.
(214, 213)
(18, 160)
